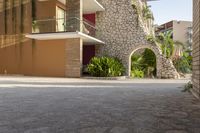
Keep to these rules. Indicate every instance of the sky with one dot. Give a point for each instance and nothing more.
(167, 10)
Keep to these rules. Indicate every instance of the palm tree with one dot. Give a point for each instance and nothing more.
(167, 43)
(137, 61)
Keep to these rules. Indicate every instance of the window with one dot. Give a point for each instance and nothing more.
(60, 19)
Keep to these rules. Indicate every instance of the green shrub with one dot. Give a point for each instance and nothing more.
(188, 87)
(105, 67)
(137, 62)
(184, 63)
(137, 73)
(146, 13)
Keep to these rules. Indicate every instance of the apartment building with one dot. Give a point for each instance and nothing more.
(47, 37)
(196, 48)
(59, 37)
(181, 30)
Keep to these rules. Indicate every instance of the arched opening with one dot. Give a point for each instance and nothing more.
(145, 62)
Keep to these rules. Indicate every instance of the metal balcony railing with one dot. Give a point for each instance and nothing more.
(64, 25)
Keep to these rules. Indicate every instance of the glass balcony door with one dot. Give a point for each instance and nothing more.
(60, 17)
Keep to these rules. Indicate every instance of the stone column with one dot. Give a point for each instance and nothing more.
(73, 48)
(74, 13)
(73, 58)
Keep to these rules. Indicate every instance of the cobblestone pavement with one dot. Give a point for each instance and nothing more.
(41, 105)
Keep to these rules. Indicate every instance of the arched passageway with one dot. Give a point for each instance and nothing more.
(158, 56)
(143, 64)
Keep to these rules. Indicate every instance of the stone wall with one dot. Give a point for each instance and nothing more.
(168, 70)
(73, 58)
(196, 49)
(123, 33)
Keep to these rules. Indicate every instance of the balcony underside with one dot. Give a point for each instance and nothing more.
(90, 6)
(65, 35)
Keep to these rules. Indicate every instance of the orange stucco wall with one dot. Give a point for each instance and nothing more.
(49, 58)
(44, 58)
(9, 60)
(20, 55)
(25, 61)
(13, 58)
(45, 9)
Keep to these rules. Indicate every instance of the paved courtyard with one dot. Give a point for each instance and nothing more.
(56, 105)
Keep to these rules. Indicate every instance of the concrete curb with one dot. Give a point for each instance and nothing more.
(106, 78)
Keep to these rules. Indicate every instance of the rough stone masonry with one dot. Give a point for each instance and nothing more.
(123, 33)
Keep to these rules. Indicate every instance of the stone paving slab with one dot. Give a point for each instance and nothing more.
(51, 105)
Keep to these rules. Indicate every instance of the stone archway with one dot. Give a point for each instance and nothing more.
(123, 32)
(157, 53)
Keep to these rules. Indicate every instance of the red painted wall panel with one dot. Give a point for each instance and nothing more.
(89, 50)
(88, 53)
(90, 17)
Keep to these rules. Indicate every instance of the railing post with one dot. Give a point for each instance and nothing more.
(74, 10)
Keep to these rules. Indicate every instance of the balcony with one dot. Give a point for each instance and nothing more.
(89, 6)
(189, 41)
(48, 29)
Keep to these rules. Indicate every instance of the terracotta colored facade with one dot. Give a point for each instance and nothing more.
(60, 57)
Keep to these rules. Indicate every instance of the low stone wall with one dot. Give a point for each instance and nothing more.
(168, 69)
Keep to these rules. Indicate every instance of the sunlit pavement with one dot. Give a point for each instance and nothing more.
(59, 105)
